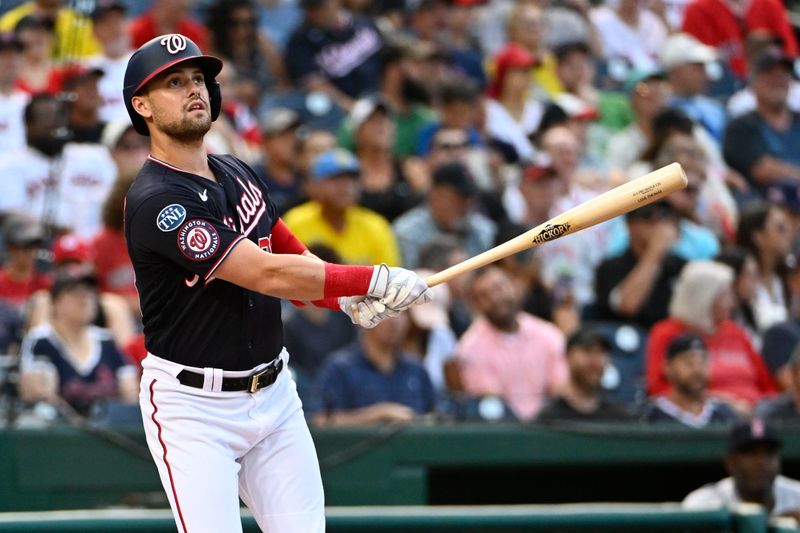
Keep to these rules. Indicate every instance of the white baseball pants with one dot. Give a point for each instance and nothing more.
(213, 447)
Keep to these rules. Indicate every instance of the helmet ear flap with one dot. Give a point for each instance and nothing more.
(215, 98)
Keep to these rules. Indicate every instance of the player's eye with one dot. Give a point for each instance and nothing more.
(174, 82)
(198, 80)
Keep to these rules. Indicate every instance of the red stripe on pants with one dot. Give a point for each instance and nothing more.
(164, 447)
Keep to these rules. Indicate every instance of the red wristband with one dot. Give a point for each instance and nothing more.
(346, 280)
(327, 303)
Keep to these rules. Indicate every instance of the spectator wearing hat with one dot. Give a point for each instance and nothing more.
(636, 286)
(37, 73)
(724, 25)
(525, 25)
(73, 37)
(334, 52)
(62, 183)
(128, 149)
(449, 210)
(764, 145)
(511, 115)
(786, 406)
(109, 24)
(373, 381)
(753, 462)
(688, 402)
(506, 352)
(19, 275)
(631, 31)
(89, 365)
(701, 303)
(79, 85)
(167, 16)
(647, 94)
(12, 99)
(334, 218)
(685, 60)
(70, 252)
(389, 186)
(280, 147)
(237, 40)
(581, 399)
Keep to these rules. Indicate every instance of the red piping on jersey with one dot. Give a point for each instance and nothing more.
(164, 447)
(224, 255)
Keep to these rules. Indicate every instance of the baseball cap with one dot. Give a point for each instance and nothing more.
(538, 171)
(588, 337)
(72, 75)
(69, 278)
(71, 248)
(771, 57)
(102, 7)
(334, 162)
(512, 56)
(684, 343)
(22, 232)
(278, 120)
(455, 175)
(365, 107)
(9, 41)
(637, 76)
(682, 49)
(747, 434)
(113, 132)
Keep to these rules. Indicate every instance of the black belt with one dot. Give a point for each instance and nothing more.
(252, 383)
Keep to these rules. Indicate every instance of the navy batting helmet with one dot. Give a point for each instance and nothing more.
(156, 56)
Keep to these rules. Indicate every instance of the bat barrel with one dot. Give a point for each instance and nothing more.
(618, 201)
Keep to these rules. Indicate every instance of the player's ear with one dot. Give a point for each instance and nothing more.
(141, 104)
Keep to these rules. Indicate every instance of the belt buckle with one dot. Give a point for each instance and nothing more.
(272, 369)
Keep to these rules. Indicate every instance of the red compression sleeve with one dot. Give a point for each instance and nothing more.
(327, 303)
(283, 240)
(346, 280)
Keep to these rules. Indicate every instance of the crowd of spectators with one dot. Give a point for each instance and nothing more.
(419, 133)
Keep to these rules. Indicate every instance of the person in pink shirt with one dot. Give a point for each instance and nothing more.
(702, 303)
(506, 352)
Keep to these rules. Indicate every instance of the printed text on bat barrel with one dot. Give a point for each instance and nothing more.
(550, 232)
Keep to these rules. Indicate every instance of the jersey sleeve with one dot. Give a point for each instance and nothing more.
(183, 230)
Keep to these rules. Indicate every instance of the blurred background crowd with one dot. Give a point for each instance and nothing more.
(419, 133)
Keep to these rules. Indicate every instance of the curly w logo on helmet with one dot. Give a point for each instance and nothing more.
(174, 43)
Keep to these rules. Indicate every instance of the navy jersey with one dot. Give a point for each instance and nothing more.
(179, 228)
(80, 385)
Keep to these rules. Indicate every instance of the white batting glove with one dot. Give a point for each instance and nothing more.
(398, 288)
(366, 312)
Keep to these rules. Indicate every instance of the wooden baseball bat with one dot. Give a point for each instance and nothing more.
(618, 201)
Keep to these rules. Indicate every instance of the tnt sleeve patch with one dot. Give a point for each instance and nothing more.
(198, 240)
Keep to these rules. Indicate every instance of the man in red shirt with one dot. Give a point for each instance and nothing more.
(724, 24)
(167, 16)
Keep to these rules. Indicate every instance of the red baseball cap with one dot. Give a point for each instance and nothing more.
(71, 248)
(512, 56)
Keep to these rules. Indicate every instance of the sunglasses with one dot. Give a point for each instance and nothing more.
(451, 146)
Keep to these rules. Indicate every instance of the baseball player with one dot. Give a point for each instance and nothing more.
(212, 259)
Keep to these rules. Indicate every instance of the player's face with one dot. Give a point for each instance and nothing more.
(754, 469)
(177, 101)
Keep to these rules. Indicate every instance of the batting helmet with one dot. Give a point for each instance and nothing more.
(156, 56)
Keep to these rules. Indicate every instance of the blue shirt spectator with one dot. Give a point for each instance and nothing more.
(694, 241)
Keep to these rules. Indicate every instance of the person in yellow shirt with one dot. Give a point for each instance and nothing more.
(74, 37)
(334, 218)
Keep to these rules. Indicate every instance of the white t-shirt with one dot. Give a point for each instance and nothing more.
(68, 191)
(638, 45)
(723, 494)
(12, 121)
(110, 87)
(501, 125)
